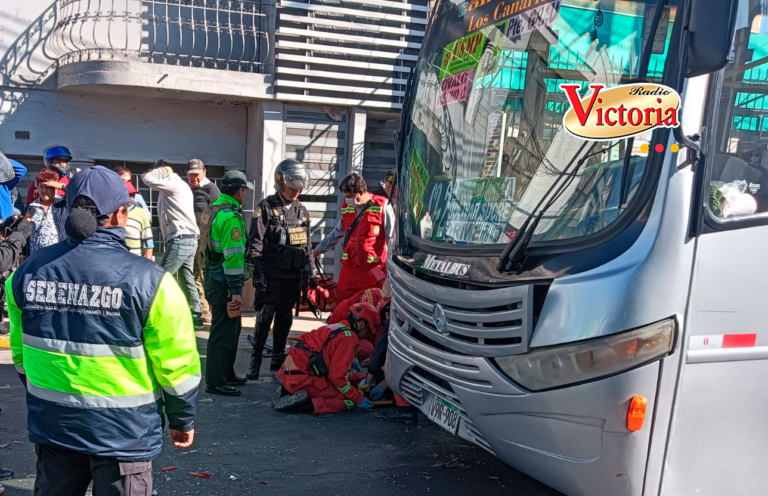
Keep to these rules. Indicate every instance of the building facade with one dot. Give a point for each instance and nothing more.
(240, 84)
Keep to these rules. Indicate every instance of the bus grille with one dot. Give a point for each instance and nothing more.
(490, 323)
(416, 389)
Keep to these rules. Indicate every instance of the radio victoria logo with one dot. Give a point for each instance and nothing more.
(621, 111)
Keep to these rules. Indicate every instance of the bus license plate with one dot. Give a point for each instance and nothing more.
(444, 414)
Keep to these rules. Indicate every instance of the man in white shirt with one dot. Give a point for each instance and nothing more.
(178, 226)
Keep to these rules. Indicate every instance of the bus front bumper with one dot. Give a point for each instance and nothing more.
(574, 439)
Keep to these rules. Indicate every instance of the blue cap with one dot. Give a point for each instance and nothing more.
(101, 185)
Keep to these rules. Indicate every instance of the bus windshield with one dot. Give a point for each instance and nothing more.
(483, 134)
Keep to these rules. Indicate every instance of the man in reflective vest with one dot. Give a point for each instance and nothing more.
(105, 345)
(324, 385)
(223, 238)
(365, 227)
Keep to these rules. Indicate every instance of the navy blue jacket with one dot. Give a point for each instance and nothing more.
(92, 303)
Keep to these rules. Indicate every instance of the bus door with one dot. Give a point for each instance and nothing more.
(719, 443)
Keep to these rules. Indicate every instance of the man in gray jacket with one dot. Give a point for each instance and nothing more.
(176, 214)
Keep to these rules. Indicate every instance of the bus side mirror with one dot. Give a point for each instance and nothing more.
(711, 27)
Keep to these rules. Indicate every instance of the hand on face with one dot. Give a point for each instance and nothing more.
(47, 191)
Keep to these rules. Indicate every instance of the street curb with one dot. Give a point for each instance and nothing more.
(5, 342)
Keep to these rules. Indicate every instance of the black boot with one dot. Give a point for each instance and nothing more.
(283, 323)
(263, 323)
(254, 367)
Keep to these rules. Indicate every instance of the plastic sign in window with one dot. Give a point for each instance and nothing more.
(621, 111)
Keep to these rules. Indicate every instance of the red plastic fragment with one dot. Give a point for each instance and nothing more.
(204, 475)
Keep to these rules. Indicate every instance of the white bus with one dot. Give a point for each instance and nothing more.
(595, 314)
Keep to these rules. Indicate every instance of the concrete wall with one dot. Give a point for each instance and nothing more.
(133, 129)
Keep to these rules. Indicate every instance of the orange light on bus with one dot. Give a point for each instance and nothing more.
(636, 416)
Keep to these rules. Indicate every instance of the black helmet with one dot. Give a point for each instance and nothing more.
(57, 151)
(6, 169)
(293, 173)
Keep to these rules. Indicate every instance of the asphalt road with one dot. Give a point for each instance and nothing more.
(248, 448)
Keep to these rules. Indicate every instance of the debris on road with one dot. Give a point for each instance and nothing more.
(169, 469)
(204, 475)
(454, 463)
(3, 446)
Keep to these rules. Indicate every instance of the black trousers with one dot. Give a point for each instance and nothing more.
(62, 472)
(276, 302)
(225, 334)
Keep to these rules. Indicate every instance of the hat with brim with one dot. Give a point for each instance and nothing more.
(235, 179)
(103, 186)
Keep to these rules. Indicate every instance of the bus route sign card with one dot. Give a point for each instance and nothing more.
(444, 414)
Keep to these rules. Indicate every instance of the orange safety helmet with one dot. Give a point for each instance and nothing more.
(383, 305)
(366, 312)
(372, 296)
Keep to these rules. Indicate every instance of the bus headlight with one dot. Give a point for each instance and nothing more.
(583, 361)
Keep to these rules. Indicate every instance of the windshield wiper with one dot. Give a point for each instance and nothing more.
(509, 261)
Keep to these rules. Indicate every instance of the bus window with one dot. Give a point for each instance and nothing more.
(738, 165)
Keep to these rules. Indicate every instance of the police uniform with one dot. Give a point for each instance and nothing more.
(106, 347)
(223, 239)
(281, 252)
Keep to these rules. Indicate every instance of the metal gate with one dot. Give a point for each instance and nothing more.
(379, 157)
(317, 137)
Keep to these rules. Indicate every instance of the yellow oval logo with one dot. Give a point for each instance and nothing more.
(621, 111)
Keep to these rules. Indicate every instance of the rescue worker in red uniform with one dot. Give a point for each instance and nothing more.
(315, 376)
(372, 296)
(365, 228)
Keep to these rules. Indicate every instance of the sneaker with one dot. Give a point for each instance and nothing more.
(199, 324)
(277, 394)
(291, 402)
(6, 473)
(2, 489)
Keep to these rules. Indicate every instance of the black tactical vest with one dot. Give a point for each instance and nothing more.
(286, 241)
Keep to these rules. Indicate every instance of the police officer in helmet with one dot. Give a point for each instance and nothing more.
(280, 248)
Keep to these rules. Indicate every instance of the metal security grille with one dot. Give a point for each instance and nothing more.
(213, 34)
(348, 52)
(319, 140)
(379, 155)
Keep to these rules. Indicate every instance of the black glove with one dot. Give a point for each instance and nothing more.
(314, 282)
(259, 283)
(24, 228)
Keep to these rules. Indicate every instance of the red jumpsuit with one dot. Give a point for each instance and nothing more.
(366, 248)
(372, 296)
(336, 392)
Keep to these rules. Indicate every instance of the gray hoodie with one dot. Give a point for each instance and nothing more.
(175, 206)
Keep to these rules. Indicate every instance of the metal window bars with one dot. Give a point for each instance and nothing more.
(213, 34)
